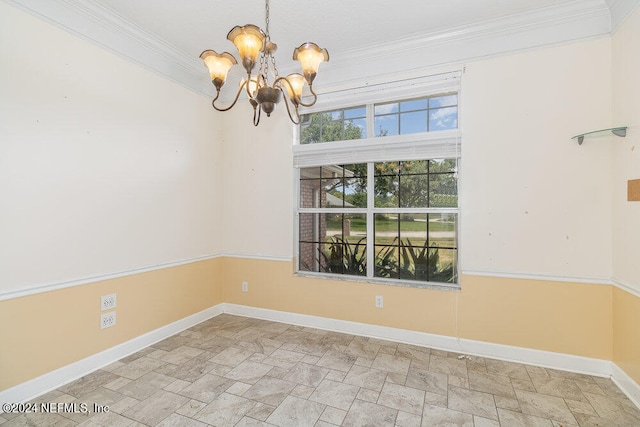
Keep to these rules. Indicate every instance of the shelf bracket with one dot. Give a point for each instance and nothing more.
(620, 131)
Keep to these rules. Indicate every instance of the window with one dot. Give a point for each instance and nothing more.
(338, 125)
(413, 216)
(417, 115)
(378, 191)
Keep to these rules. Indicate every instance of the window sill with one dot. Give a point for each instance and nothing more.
(381, 281)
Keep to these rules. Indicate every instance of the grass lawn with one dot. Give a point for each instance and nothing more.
(359, 224)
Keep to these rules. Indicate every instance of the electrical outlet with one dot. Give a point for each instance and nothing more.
(107, 320)
(107, 302)
(245, 286)
(379, 301)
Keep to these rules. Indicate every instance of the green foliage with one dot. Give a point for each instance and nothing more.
(322, 127)
(404, 261)
(343, 257)
(418, 183)
(415, 263)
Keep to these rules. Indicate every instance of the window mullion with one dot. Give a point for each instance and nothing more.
(370, 220)
(370, 121)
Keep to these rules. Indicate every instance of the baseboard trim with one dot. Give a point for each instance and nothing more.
(54, 379)
(566, 362)
(626, 384)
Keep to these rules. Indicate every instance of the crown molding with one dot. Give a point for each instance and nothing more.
(92, 22)
(620, 11)
(571, 21)
(543, 27)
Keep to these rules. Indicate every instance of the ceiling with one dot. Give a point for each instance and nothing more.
(364, 37)
(338, 25)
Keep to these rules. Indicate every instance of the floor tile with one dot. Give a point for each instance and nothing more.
(433, 382)
(437, 416)
(333, 415)
(155, 408)
(294, 411)
(619, 409)
(392, 364)
(364, 377)
(368, 395)
(402, 398)
(285, 359)
(108, 419)
(448, 366)
(369, 414)
(335, 394)
(189, 371)
(261, 411)
(249, 372)
(472, 402)
(507, 403)
(516, 419)
(191, 408)
(231, 357)
(225, 410)
(306, 374)
(337, 361)
(507, 369)
(557, 386)
(177, 420)
(138, 368)
(484, 422)
(146, 385)
(494, 384)
(88, 383)
(362, 349)
(206, 388)
(544, 406)
(405, 419)
(271, 391)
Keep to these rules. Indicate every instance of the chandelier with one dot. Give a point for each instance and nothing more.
(264, 89)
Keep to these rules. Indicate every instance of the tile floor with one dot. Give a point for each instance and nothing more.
(236, 371)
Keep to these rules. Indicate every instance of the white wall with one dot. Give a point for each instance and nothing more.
(533, 200)
(258, 183)
(626, 157)
(104, 166)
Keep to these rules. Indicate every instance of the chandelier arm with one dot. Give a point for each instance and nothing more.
(295, 121)
(297, 100)
(234, 101)
(315, 98)
(256, 114)
(246, 83)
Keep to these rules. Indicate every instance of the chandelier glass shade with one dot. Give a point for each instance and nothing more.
(265, 88)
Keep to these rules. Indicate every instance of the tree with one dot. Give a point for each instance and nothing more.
(325, 127)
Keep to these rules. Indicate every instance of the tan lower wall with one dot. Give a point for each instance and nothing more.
(563, 317)
(626, 333)
(46, 331)
(571, 318)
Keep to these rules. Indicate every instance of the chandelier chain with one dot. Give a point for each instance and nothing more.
(265, 59)
(266, 19)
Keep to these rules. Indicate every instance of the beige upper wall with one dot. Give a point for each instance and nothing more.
(626, 151)
(104, 166)
(258, 183)
(532, 200)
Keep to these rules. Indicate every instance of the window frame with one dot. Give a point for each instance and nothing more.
(416, 146)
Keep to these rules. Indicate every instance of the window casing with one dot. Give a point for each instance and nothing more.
(382, 208)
